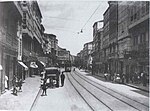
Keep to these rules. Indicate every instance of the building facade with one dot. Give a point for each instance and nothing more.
(138, 57)
(63, 56)
(124, 39)
(87, 50)
(133, 38)
(10, 19)
(113, 36)
(31, 35)
(97, 66)
(51, 44)
(105, 40)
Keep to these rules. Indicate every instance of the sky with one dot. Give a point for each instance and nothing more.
(65, 18)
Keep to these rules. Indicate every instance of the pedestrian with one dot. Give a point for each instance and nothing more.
(105, 76)
(15, 85)
(20, 84)
(44, 88)
(123, 78)
(144, 79)
(62, 79)
(6, 82)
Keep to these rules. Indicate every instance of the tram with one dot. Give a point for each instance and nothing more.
(68, 66)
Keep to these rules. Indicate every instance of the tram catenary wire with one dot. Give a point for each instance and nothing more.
(83, 77)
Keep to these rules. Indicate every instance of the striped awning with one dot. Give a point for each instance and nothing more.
(23, 65)
(33, 65)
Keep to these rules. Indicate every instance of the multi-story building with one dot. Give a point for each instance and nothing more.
(133, 37)
(51, 48)
(84, 57)
(109, 40)
(113, 36)
(138, 58)
(87, 50)
(105, 39)
(79, 59)
(31, 34)
(124, 45)
(97, 48)
(63, 56)
(10, 20)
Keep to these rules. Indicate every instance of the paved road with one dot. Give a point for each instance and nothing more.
(91, 94)
(109, 96)
(61, 99)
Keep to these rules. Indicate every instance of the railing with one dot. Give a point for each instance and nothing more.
(26, 52)
(12, 40)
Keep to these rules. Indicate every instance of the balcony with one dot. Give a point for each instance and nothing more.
(11, 40)
(26, 52)
(141, 46)
(113, 55)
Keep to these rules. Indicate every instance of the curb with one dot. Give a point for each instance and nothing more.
(126, 84)
(131, 85)
(137, 87)
(35, 99)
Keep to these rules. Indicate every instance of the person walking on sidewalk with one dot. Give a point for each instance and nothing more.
(62, 79)
(144, 79)
(20, 84)
(44, 88)
(122, 77)
(15, 81)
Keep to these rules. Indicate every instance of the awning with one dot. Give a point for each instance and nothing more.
(1, 68)
(43, 63)
(33, 65)
(21, 63)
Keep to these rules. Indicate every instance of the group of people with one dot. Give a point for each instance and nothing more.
(44, 84)
(17, 85)
(137, 78)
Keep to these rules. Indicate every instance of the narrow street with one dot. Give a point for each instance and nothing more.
(82, 92)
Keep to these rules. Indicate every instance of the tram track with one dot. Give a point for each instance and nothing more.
(80, 94)
(91, 105)
(139, 106)
(109, 108)
(83, 77)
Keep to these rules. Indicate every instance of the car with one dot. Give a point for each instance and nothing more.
(52, 76)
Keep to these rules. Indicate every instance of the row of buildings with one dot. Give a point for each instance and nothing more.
(24, 47)
(122, 44)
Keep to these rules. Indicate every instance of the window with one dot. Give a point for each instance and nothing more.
(147, 36)
(24, 3)
(135, 16)
(24, 20)
(147, 6)
(135, 40)
(143, 38)
(131, 18)
(143, 8)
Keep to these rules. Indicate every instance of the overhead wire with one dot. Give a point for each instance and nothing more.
(89, 18)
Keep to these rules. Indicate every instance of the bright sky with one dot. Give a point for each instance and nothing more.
(65, 18)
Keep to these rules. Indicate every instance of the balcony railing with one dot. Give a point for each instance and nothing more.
(11, 39)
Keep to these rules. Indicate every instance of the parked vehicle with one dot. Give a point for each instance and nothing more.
(52, 76)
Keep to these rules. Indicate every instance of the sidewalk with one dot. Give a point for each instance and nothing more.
(137, 86)
(24, 100)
